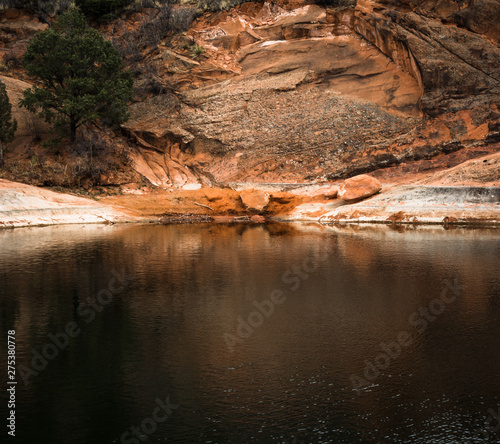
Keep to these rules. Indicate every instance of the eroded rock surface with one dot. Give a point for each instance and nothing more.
(25, 205)
(457, 67)
(287, 92)
(409, 204)
(290, 92)
(17, 27)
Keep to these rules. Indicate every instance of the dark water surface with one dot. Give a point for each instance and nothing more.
(375, 335)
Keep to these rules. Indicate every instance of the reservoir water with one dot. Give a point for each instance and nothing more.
(251, 334)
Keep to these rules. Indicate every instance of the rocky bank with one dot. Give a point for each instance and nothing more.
(24, 205)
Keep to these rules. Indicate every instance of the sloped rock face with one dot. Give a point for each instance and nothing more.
(28, 124)
(24, 205)
(457, 68)
(480, 16)
(300, 92)
(17, 27)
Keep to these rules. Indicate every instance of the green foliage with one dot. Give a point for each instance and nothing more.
(196, 50)
(33, 161)
(218, 5)
(8, 125)
(337, 3)
(168, 21)
(81, 76)
(44, 8)
(52, 143)
(101, 8)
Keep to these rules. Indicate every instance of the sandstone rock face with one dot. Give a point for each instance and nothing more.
(480, 16)
(164, 165)
(359, 187)
(456, 67)
(25, 205)
(326, 191)
(17, 26)
(293, 92)
(28, 124)
(418, 204)
(484, 171)
(254, 200)
(411, 204)
(191, 186)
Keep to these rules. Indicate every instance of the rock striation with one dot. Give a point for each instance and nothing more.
(292, 91)
(25, 205)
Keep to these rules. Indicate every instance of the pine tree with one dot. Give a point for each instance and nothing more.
(8, 125)
(81, 76)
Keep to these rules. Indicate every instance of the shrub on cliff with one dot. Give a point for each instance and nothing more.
(168, 21)
(81, 76)
(337, 3)
(101, 9)
(220, 5)
(8, 125)
(44, 8)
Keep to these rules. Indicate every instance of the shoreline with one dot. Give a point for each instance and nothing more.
(28, 206)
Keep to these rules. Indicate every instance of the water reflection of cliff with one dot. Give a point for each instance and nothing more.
(164, 333)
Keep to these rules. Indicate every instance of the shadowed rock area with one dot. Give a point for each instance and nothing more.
(28, 124)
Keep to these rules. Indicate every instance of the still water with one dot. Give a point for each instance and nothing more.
(251, 334)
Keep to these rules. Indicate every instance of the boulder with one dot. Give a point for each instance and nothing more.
(359, 187)
(254, 200)
(258, 219)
